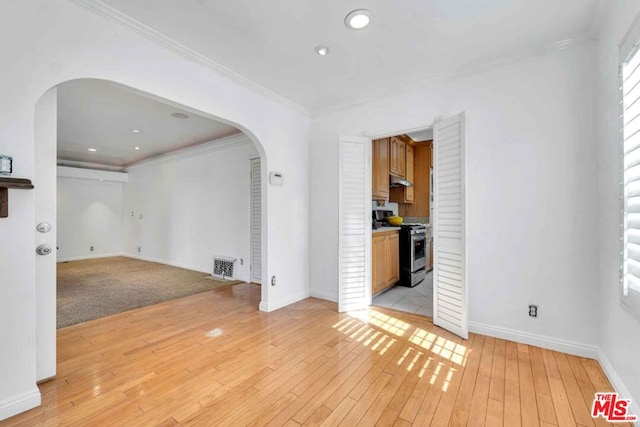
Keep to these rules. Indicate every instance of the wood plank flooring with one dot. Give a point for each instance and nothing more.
(302, 365)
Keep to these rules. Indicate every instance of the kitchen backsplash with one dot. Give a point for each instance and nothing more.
(417, 219)
(389, 206)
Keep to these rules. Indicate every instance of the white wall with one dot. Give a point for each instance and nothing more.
(619, 329)
(530, 197)
(89, 214)
(37, 54)
(194, 205)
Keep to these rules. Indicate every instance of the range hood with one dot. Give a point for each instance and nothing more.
(395, 182)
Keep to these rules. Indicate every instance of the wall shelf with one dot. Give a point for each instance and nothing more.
(5, 185)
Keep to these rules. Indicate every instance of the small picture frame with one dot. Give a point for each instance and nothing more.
(6, 165)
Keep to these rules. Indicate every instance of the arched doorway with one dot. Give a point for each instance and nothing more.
(45, 132)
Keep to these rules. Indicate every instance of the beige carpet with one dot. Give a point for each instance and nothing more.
(97, 288)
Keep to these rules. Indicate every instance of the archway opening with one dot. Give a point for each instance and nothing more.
(136, 183)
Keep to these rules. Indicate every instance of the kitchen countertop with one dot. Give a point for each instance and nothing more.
(381, 229)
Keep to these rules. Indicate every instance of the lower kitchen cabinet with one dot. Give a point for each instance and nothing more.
(385, 260)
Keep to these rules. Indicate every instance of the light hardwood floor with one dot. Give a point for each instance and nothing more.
(302, 365)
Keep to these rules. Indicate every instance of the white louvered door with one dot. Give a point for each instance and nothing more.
(449, 258)
(354, 210)
(256, 221)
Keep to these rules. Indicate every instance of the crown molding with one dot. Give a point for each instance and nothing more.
(88, 165)
(233, 141)
(127, 22)
(100, 8)
(464, 71)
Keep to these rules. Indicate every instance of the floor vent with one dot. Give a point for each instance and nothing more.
(223, 267)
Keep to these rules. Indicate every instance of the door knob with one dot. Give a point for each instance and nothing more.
(43, 250)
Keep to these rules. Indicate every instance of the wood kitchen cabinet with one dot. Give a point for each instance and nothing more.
(380, 169)
(385, 260)
(378, 263)
(409, 191)
(397, 157)
(420, 207)
(405, 194)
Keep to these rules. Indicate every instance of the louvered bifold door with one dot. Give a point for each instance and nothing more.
(449, 258)
(354, 218)
(256, 221)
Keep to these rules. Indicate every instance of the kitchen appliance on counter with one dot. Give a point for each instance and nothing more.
(414, 254)
(379, 217)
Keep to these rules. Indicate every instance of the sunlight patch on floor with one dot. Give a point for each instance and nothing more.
(447, 349)
(380, 332)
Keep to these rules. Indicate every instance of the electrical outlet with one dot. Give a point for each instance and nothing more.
(533, 311)
(91, 248)
(139, 249)
(273, 280)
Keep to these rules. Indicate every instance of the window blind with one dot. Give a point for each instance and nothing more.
(630, 75)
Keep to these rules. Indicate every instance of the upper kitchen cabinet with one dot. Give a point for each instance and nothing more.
(409, 191)
(405, 194)
(380, 169)
(421, 184)
(397, 157)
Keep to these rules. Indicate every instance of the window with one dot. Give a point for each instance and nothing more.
(630, 115)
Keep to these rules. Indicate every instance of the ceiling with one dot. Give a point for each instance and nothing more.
(101, 115)
(421, 135)
(409, 42)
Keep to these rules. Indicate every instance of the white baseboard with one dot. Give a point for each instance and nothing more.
(565, 346)
(85, 257)
(328, 296)
(17, 404)
(282, 302)
(165, 262)
(617, 383)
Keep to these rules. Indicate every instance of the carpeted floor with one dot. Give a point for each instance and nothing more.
(97, 288)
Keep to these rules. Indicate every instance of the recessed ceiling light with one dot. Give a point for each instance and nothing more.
(93, 150)
(358, 19)
(137, 148)
(180, 116)
(135, 130)
(321, 50)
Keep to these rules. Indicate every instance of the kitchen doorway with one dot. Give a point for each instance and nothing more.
(364, 168)
(402, 206)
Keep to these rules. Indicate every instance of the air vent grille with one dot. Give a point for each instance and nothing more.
(223, 267)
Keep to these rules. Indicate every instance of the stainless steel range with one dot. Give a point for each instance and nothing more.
(414, 253)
